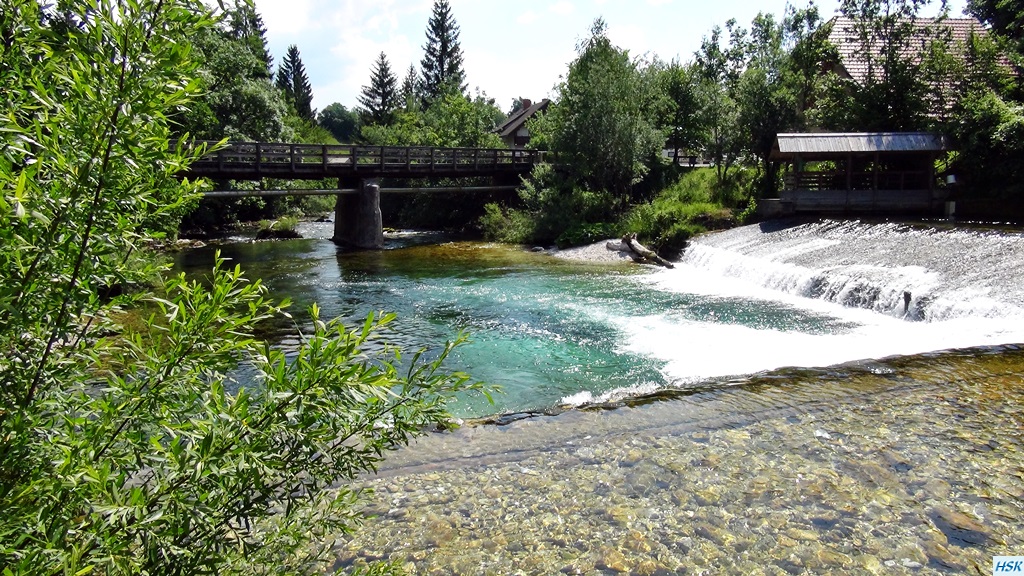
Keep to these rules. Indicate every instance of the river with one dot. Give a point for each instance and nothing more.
(779, 406)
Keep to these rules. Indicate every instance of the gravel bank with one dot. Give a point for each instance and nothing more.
(596, 252)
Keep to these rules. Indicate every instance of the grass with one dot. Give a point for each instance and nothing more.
(694, 204)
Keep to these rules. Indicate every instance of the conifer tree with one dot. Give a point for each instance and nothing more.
(409, 91)
(246, 24)
(292, 79)
(442, 58)
(379, 99)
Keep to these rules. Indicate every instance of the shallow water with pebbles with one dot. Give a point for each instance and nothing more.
(909, 465)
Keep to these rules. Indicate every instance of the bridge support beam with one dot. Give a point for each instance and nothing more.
(357, 219)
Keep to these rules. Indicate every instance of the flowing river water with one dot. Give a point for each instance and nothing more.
(773, 405)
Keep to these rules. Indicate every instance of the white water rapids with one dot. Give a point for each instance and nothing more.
(964, 290)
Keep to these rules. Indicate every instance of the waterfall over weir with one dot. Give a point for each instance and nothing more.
(949, 274)
(824, 293)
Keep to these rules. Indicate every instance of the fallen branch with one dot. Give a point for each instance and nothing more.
(638, 251)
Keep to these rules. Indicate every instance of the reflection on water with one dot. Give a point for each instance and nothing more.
(909, 466)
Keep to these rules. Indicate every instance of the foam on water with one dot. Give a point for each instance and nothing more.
(962, 286)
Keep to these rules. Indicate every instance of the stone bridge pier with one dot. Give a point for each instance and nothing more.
(357, 219)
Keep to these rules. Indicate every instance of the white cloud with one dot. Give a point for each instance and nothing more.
(659, 2)
(505, 75)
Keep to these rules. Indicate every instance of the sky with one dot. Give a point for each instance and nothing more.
(511, 49)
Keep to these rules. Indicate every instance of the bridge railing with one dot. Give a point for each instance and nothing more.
(317, 160)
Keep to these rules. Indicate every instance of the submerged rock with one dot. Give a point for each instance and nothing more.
(960, 528)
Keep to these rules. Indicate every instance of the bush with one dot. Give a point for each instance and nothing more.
(506, 225)
(550, 205)
(282, 228)
(678, 213)
(137, 453)
(749, 214)
(582, 234)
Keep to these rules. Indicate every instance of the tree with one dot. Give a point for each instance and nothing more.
(442, 58)
(679, 110)
(379, 99)
(409, 94)
(130, 450)
(246, 24)
(720, 66)
(342, 123)
(602, 121)
(456, 120)
(808, 50)
(452, 120)
(766, 94)
(292, 79)
(239, 102)
(893, 95)
(1006, 17)
(989, 132)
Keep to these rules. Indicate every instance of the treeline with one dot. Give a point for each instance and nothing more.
(246, 100)
(618, 120)
(615, 113)
(243, 98)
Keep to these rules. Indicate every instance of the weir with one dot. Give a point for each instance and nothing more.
(954, 273)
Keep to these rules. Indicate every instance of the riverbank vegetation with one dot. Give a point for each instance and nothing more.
(126, 446)
(623, 129)
(618, 120)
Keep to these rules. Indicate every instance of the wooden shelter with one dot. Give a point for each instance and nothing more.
(860, 172)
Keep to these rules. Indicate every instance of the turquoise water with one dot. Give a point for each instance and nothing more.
(539, 327)
(554, 333)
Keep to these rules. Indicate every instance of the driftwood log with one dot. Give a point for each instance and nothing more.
(638, 251)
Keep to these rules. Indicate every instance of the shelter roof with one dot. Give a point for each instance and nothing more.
(826, 144)
(514, 122)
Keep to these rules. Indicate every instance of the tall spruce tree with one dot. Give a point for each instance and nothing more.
(380, 98)
(410, 90)
(292, 79)
(442, 58)
(246, 24)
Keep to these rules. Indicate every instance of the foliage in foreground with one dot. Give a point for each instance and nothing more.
(130, 449)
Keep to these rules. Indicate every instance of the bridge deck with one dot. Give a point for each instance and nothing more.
(256, 160)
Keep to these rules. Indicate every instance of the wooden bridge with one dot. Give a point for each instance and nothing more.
(258, 160)
(357, 220)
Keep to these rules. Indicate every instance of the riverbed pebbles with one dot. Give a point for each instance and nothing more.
(924, 481)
